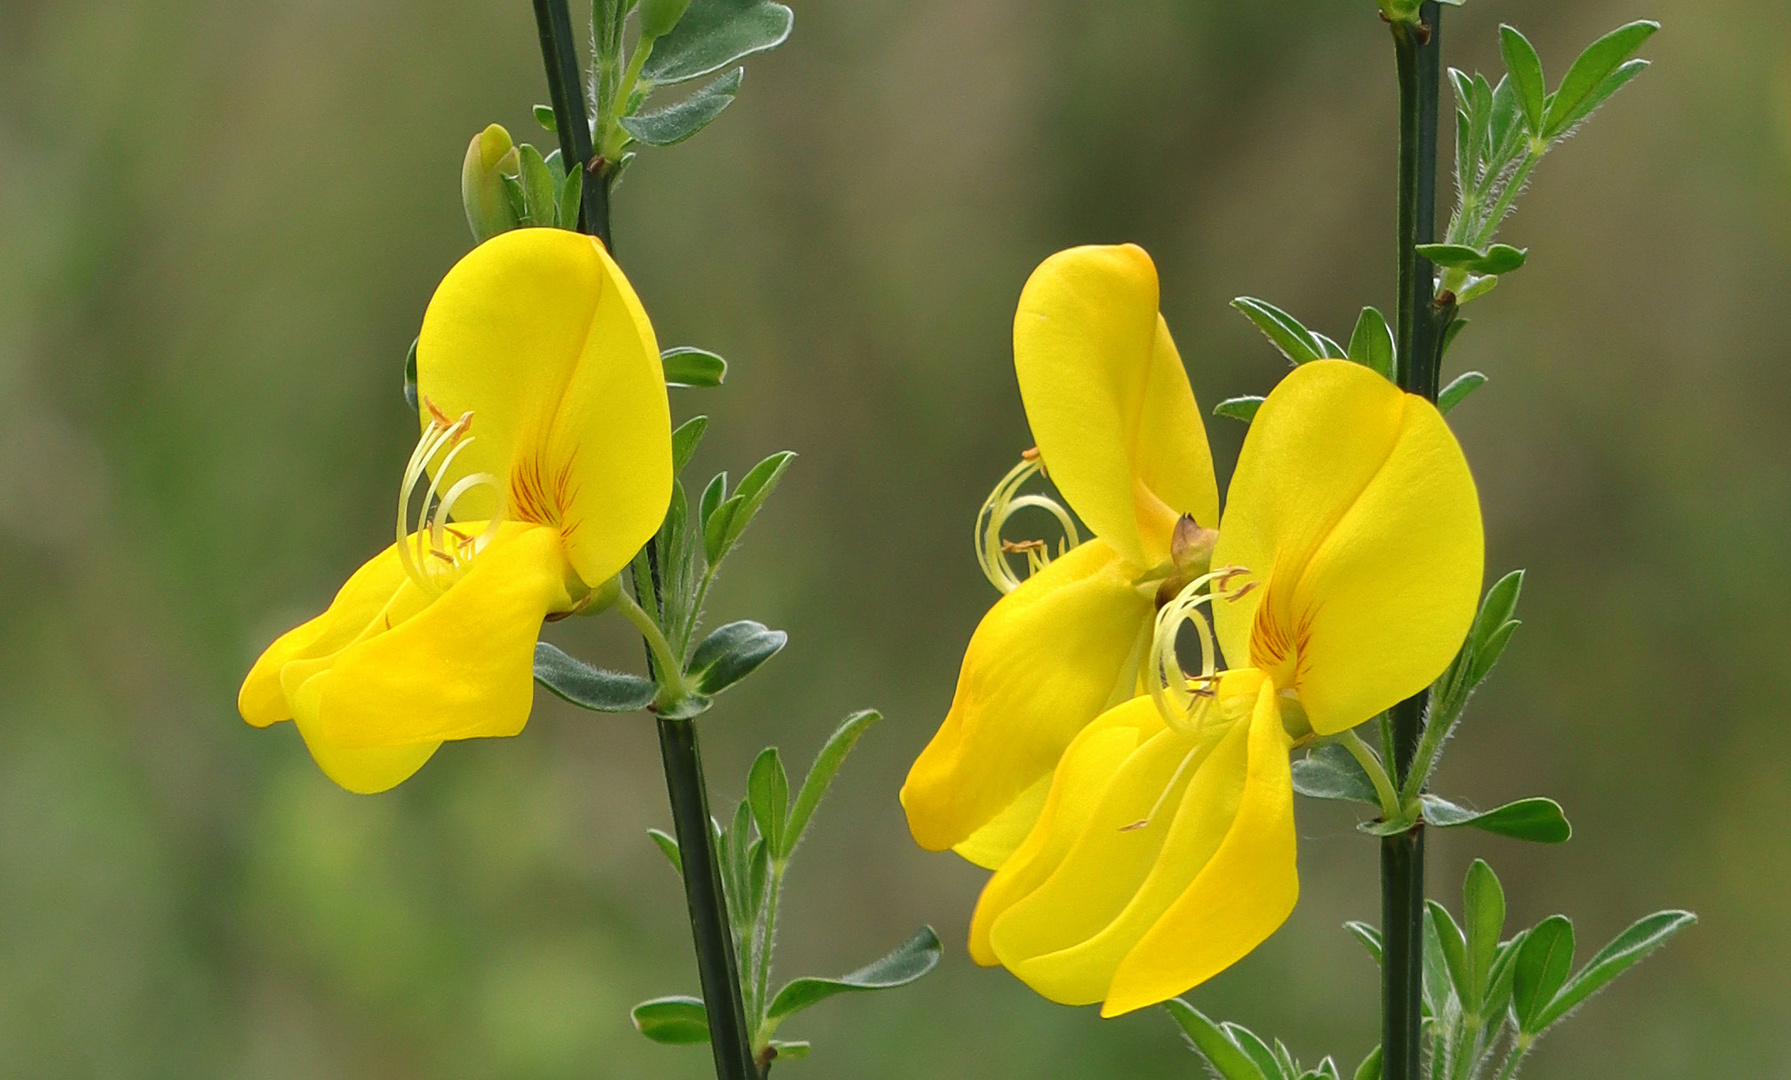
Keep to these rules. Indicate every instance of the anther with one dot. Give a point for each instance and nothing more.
(1021, 547)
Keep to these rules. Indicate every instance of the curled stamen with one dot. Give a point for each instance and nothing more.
(422, 545)
(1183, 699)
(1003, 503)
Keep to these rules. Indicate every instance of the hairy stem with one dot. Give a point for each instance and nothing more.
(717, 965)
(1418, 50)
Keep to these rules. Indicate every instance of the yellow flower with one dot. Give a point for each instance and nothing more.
(1121, 436)
(1348, 567)
(546, 459)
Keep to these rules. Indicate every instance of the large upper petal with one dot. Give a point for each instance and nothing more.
(1108, 399)
(463, 666)
(541, 337)
(1353, 507)
(1043, 663)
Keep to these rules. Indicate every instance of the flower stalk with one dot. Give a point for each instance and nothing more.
(717, 965)
(1419, 330)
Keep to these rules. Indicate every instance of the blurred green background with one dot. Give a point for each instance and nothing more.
(220, 222)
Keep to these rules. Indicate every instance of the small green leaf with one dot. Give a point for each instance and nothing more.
(1328, 348)
(1489, 652)
(1497, 259)
(821, 774)
(1284, 331)
(673, 1021)
(1259, 1052)
(1455, 954)
(1439, 988)
(758, 878)
(544, 117)
(723, 531)
(1369, 936)
(1629, 948)
(537, 187)
(1327, 1070)
(731, 653)
(1371, 344)
(1452, 255)
(572, 190)
(1224, 1055)
(685, 440)
(1239, 408)
(1498, 993)
(1331, 772)
(410, 377)
(713, 496)
(1504, 130)
(1542, 967)
(768, 789)
(1501, 259)
(713, 34)
(591, 687)
(1476, 288)
(1457, 391)
(675, 123)
(1284, 1058)
(1526, 75)
(1613, 82)
(1537, 820)
(1370, 1069)
(668, 846)
(1598, 63)
(688, 366)
(1451, 332)
(1483, 911)
(658, 17)
(906, 963)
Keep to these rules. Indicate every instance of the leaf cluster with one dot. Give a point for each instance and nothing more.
(754, 851)
(1371, 344)
(678, 41)
(1486, 1000)
(683, 560)
(1346, 771)
(1503, 131)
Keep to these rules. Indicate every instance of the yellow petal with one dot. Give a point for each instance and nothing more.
(1354, 508)
(1241, 895)
(462, 667)
(538, 334)
(1067, 938)
(1044, 662)
(364, 772)
(262, 701)
(1108, 399)
(1075, 790)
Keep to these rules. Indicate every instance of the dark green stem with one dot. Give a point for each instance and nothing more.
(574, 129)
(717, 966)
(1420, 327)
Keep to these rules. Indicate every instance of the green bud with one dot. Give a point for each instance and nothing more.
(601, 599)
(488, 158)
(659, 16)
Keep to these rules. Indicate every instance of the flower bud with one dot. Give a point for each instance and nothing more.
(1192, 546)
(488, 158)
(659, 16)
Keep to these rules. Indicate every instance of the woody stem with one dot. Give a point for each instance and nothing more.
(717, 966)
(1418, 51)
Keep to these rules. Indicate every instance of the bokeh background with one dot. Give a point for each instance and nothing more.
(220, 222)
